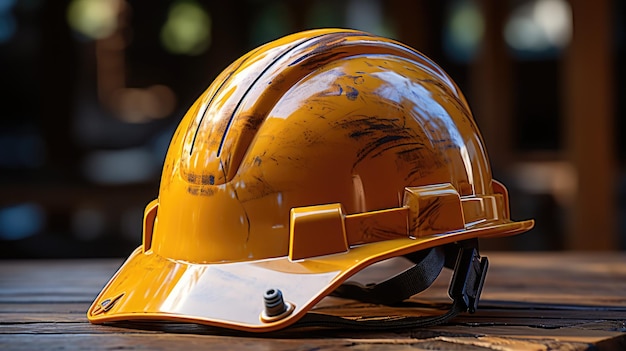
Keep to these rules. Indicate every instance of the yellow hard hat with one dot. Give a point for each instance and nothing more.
(307, 160)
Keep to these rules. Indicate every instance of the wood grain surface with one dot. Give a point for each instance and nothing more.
(531, 301)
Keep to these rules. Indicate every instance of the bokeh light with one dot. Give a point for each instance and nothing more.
(94, 19)
(187, 29)
(464, 30)
(539, 26)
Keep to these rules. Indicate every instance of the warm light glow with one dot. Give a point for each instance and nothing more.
(95, 19)
(130, 104)
(558, 178)
(135, 105)
(187, 29)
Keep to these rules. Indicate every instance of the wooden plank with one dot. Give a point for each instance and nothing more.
(207, 342)
(565, 301)
(449, 337)
(46, 307)
(569, 278)
(43, 312)
(58, 281)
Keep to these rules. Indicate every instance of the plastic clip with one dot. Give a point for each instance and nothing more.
(470, 271)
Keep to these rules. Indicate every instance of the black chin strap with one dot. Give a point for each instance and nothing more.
(427, 266)
(469, 275)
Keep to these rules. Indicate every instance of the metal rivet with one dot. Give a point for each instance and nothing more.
(106, 305)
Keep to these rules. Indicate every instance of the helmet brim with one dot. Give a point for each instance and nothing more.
(230, 295)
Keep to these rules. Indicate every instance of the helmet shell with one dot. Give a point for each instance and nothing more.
(315, 118)
(307, 160)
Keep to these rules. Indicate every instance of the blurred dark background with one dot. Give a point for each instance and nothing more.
(92, 91)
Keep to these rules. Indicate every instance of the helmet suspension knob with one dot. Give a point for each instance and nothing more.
(274, 302)
(276, 307)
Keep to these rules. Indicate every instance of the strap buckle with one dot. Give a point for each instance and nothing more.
(467, 283)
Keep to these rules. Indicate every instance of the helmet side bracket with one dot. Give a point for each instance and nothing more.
(427, 210)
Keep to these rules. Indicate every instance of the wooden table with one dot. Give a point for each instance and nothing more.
(531, 301)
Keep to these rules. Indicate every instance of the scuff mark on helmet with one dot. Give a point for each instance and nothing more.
(351, 93)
